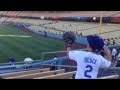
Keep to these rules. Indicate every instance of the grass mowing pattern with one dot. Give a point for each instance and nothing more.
(22, 47)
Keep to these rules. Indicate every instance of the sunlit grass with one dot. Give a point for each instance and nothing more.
(19, 44)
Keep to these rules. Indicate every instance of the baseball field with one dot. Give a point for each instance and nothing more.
(20, 44)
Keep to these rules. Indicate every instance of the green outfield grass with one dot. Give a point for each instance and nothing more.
(20, 45)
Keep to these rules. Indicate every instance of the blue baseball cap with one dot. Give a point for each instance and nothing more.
(95, 42)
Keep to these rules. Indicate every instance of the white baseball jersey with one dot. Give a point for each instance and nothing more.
(88, 64)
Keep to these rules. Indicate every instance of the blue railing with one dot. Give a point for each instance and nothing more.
(36, 64)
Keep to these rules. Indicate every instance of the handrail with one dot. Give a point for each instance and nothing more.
(21, 62)
(44, 53)
(110, 77)
(67, 66)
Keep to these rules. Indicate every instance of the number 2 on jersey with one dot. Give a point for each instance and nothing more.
(89, 69)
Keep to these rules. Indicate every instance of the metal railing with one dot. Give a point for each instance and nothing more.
(55, 52)
(110, 77)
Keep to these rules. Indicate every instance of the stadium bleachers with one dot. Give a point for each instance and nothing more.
(58, 28)
(67, 75)
(31, 21)
(110, 77)
(87, 28)
(23, 72)
(60, 14)
(46, 73)
(34, 75)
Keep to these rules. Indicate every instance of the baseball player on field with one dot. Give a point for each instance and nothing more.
(89, 62)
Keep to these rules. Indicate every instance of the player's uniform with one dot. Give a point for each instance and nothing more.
(88, 64)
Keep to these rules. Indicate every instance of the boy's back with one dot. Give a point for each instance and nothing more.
(88, 63)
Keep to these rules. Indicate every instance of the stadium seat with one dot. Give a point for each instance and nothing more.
(7, 75)
(34, 75)
(67, 75)
(110, 77)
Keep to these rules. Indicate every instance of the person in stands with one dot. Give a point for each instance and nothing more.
(28, 63)
(113, 42)
(118, 59)
(11, 60)
(108, 42)
(45, 33)
(114, 54)
(54, 63)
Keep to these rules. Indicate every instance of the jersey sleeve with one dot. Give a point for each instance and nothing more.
(74, 55)
(105, 63)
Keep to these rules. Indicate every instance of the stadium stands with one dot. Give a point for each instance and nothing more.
(33, 75)
(67, 75)
(46, 73)
(13, 74)
(60, 14)
(110, 77)
(61, 26)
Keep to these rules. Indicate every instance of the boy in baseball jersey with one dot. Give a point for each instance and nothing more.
(89, 62)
